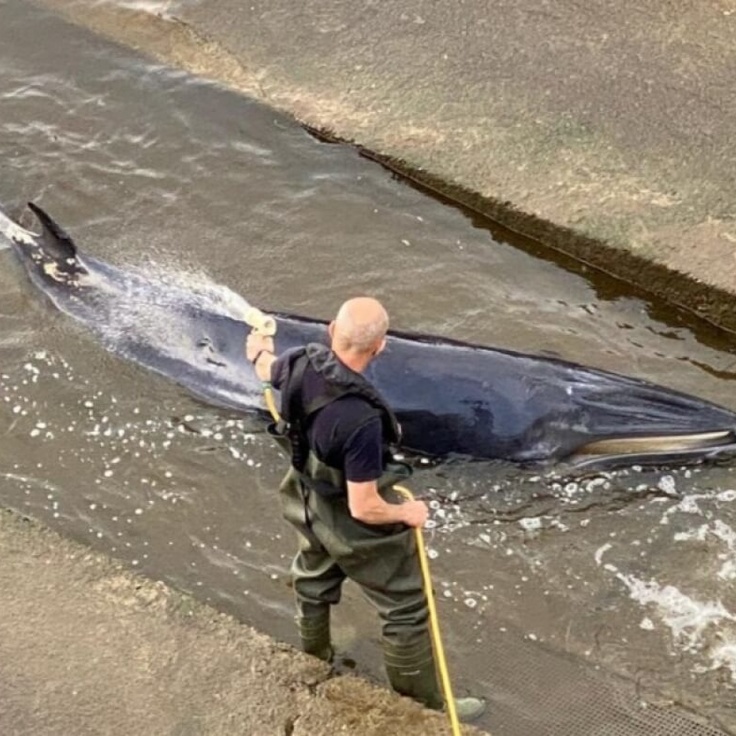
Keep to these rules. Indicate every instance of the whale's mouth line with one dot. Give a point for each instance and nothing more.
(658, 443)
(684, 449)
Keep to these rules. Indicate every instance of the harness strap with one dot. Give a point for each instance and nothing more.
(294, 425)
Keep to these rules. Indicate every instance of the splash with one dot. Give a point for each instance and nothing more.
(157, 306)
(12, 231)
(689, 619)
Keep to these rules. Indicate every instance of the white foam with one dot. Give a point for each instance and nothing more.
(601, 551)
(687, 618)
(667, 484)
(725, 656)
(13, 231)
(716, 529)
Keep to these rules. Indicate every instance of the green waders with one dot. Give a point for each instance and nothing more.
(381, 559)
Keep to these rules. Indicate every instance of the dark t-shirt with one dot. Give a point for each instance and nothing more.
(359, 454)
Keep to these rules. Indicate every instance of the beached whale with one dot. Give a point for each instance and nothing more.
(451, 398)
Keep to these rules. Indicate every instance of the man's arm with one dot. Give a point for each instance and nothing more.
(366, 505)
(363, 465)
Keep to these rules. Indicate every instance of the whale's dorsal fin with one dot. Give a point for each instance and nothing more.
(56, 241)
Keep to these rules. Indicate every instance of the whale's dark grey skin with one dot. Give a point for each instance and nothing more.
(451, 398)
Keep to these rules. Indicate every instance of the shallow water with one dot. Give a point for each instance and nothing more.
(152, 169)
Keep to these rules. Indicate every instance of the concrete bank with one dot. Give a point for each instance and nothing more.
(88, 648)
(604, 130)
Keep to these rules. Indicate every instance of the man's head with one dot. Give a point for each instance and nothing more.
(359, 331)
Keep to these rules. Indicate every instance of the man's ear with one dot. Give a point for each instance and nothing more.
(381, 347)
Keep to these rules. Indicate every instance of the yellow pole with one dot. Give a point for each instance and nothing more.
(434, 625)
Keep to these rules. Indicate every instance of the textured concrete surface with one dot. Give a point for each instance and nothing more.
(88, 648)
(604, 129)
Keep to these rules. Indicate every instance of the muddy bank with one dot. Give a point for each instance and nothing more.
(87, 647)
(604, 131)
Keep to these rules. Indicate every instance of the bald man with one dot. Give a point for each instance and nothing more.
(337, 495)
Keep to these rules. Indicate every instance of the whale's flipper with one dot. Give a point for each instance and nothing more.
(55, 241)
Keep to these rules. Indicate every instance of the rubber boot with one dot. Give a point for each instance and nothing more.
(469, 709)
(411, 672)
(314, 632)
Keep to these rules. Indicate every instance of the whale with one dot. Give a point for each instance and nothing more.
(453, 399)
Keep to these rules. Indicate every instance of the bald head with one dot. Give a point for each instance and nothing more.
(360, 327)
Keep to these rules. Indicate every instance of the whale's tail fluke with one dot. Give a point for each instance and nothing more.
(50, 255)
(54, 240)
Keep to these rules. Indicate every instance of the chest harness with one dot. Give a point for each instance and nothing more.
(334, 381)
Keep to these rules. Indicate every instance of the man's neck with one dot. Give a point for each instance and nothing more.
(357, 363)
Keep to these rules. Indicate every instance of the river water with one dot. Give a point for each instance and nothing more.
(544, 582)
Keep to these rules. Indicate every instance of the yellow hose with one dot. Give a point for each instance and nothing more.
(439, 651)
(434, 625)
(271, 402)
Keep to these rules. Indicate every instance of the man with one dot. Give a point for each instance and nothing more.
(337, 494)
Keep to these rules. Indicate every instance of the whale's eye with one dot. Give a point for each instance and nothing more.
(206, 344)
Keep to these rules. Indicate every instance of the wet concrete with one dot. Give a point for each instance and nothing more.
(601, 129)
(87, 648)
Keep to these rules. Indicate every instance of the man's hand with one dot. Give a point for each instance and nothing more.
(255, 343)
(259, 349)
(415, 513)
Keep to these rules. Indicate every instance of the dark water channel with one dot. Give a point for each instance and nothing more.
(627, 574)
